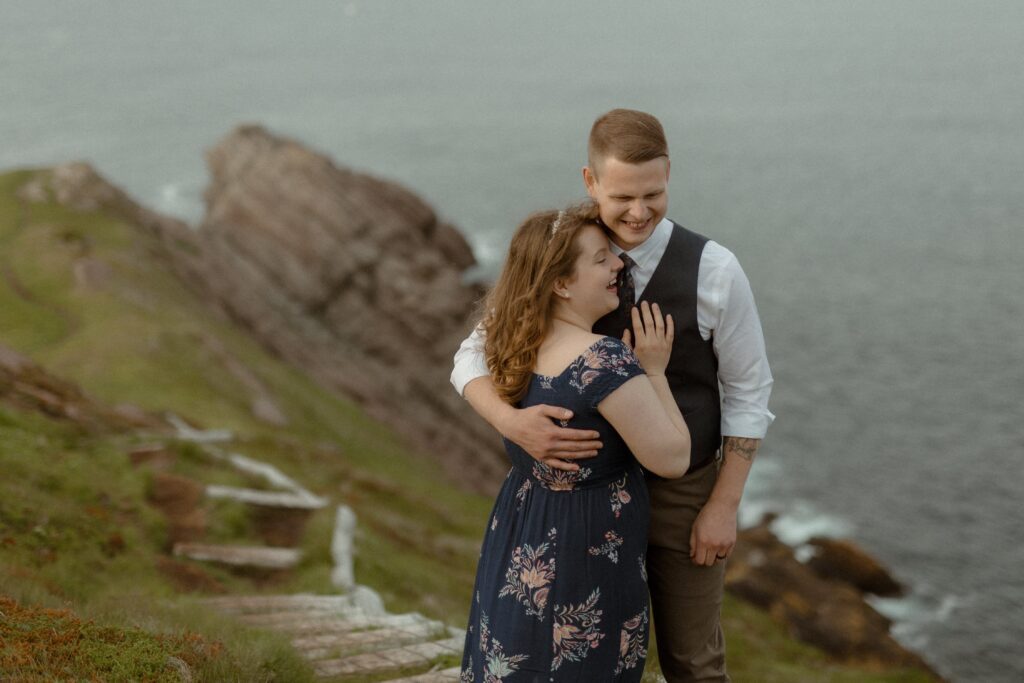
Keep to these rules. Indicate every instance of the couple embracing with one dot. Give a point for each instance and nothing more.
(622, 358)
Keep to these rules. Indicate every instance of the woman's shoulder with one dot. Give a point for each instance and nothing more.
(609, 352)
(605, 366)
(596, 348)
(611, 343)
(594, 340)
(564, 352)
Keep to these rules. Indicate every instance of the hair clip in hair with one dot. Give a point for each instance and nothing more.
(555, 224)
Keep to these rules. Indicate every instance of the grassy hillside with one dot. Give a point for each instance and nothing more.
(85, 296)
(81, 589)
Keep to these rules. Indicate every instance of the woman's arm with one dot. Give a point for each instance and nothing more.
(643, 418)
(643, 410)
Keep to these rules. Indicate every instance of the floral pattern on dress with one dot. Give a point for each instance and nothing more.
(631, 643)
(620, 496)
(498, 664)
(643, 567)
(523, 490)
(575, 630)
(605, 355)
(610, 547)
(528, 576)
(558, 480)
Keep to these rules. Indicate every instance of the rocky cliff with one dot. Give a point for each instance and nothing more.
(352, 279)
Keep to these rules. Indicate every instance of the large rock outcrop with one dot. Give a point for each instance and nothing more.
(350, 278)
(818, 606)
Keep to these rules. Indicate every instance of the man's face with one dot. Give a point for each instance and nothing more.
(633, 198)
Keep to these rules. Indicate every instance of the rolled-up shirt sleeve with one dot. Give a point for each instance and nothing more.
(469, 362)
(743, 372)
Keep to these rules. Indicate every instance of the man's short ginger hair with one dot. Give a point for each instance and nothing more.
(627, 135)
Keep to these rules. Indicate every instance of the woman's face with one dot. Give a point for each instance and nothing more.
(592, 289)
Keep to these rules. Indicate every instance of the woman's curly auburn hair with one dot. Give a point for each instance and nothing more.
(517, 311)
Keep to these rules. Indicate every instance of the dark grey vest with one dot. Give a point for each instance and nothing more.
(692, 371)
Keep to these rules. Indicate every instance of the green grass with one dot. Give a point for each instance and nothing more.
(46, 642)
(76, 531)
(140, 339)
(76, 535)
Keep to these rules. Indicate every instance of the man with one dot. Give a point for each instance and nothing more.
(718, 374)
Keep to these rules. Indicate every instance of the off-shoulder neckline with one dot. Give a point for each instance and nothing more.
(577, 358)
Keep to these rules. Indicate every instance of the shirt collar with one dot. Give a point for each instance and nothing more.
(652, 246)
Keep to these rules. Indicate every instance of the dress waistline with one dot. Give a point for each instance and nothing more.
(560, 480)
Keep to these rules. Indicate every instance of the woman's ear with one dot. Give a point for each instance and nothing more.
(560, 290)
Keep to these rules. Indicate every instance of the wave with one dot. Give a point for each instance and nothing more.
(180, 199)
(915, 614)
(796, 521)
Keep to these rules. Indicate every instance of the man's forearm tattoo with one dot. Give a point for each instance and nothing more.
(743, 447)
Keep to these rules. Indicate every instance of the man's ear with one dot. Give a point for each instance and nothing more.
(589, 181)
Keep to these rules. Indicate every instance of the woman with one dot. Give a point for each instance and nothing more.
(561, 587)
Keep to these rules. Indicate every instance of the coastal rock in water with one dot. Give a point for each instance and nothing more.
(838, 559)
(827, 613)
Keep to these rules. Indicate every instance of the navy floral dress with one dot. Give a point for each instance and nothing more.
(561, 586)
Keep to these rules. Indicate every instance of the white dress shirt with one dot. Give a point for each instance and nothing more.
(726, 314)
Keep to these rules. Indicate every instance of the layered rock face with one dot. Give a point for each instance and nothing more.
(350, 278)
(354, 280)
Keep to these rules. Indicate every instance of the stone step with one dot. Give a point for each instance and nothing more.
(383, 661)
(275, 499)
(339, 621)
(263, 557)
(189, 433)
(334, 645)
(265, 471)
(443, 676)
(298, 621)
(298, 602)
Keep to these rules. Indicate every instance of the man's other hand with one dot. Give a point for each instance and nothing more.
(713, 535)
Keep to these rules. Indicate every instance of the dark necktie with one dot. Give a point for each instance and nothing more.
(627, 290)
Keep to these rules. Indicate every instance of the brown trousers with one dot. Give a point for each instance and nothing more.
(686, 599)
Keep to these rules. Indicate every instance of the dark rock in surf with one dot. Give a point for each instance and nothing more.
(840, 559)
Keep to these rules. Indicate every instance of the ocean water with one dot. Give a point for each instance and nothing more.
(864, 160)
